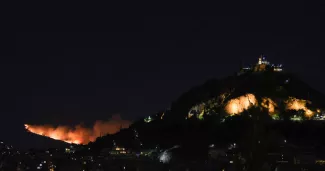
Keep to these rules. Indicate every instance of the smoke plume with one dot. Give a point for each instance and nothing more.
(80, 134)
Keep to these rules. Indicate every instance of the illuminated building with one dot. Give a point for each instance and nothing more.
(277, 68)
(118, 151)
(261, 66)
(262, 60)
(67, 150)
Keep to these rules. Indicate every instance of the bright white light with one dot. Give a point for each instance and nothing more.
(165, 157)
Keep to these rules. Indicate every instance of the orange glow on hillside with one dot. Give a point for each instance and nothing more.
(80, 135)
(268, 104)
(239, 104)
(298, 104)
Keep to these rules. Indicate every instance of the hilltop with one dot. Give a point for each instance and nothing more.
(216, 112)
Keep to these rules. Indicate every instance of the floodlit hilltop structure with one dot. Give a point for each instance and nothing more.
(261, 66)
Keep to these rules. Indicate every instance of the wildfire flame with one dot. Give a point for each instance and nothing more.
(80, 134)
(239, 104)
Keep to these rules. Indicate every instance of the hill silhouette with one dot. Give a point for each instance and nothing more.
(42, 142)
(212, 124)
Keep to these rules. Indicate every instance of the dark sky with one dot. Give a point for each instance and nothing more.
(136, 65)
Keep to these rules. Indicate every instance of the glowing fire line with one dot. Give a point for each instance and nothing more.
(80, 135)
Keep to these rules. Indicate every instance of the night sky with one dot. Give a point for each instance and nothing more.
(137, 65)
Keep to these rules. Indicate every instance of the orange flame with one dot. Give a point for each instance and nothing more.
(80, 135)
